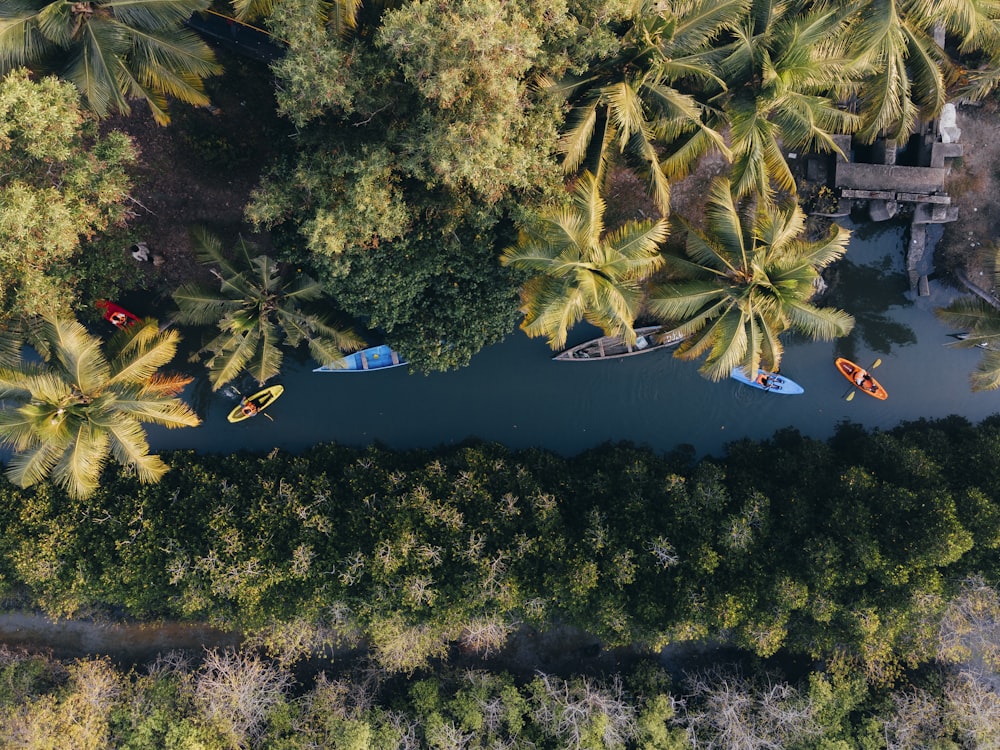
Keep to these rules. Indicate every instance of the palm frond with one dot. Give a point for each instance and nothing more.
(165, 385)
(986, 376)
(33, 465)
(729, 346)
(680, 301)
(129, 448)
(577, 137)
(266, 362)
(699, 23)
(198, 306)
(971, 314)
(171, 413)
(21, 38)
(94, 65)
(823, 324)
(78, 469)
(227, 364)
(649, 166)
(724, 224)
(78, 354)
(145, 351)
(18, 427)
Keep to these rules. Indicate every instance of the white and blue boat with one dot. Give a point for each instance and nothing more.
(768, 381)
(366, 360)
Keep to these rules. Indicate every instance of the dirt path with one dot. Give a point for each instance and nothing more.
(973, 183)
(126, 643)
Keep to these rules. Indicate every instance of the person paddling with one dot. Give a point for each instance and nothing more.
(864, 381)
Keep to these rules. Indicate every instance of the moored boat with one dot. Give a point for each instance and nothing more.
(373, 358)
(868, 384)
(253, 405)
(116, 314)
(648, 338)
(771, 382)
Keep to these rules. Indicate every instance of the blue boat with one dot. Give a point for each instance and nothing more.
(366, 360)
(768, 381)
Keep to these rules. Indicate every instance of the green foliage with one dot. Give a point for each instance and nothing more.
(581, 273)
(65, 417)
(745, 280)
(819, 548)
(980, 320)
(352, 196)
(477, 127)
(260, 306)
(439, 293)
(110, 52)
(61, 182)
(634, 99)
(906, 73)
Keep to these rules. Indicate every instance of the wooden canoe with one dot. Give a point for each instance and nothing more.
(648, 338)
(261, 399)
(871, 386)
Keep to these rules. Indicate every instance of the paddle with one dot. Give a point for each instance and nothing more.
(850, 394)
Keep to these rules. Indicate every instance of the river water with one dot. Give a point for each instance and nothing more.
(513, 393)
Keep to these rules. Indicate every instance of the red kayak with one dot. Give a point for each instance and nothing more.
(116, 314)
(868, 384)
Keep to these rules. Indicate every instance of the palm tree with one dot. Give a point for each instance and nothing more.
(743, 282)
(980, 317)
(583, 273)
(631, 101)
(907, 74)
(112, 51)
(69, 413)
(784, 70)
(259, 305)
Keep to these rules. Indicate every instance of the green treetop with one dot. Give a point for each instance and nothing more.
(59, 182)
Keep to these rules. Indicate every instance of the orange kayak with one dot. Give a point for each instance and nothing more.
(870, 385)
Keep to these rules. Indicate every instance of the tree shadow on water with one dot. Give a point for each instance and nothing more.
(868, 292)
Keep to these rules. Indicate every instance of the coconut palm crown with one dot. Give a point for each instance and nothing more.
(908, 76)
(635, 99)
(745, 280)
(66, 415)
(784, 69)
(260, 305)
(583, 273)
(112, 51)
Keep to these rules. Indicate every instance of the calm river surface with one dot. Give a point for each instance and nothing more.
(514, 394)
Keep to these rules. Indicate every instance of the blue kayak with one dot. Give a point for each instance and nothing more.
(768, 381)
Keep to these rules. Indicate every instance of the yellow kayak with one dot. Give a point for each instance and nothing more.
(253, 405)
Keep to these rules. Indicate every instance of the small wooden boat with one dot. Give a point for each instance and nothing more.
(366, 360)
(116, 314)
(869, 385)
(771, 382)
(647, 339)
(253, 405)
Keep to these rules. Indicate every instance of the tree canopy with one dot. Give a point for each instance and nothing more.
(113, 52)
(60, 182)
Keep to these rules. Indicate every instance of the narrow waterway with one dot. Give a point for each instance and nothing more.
(515, 394)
